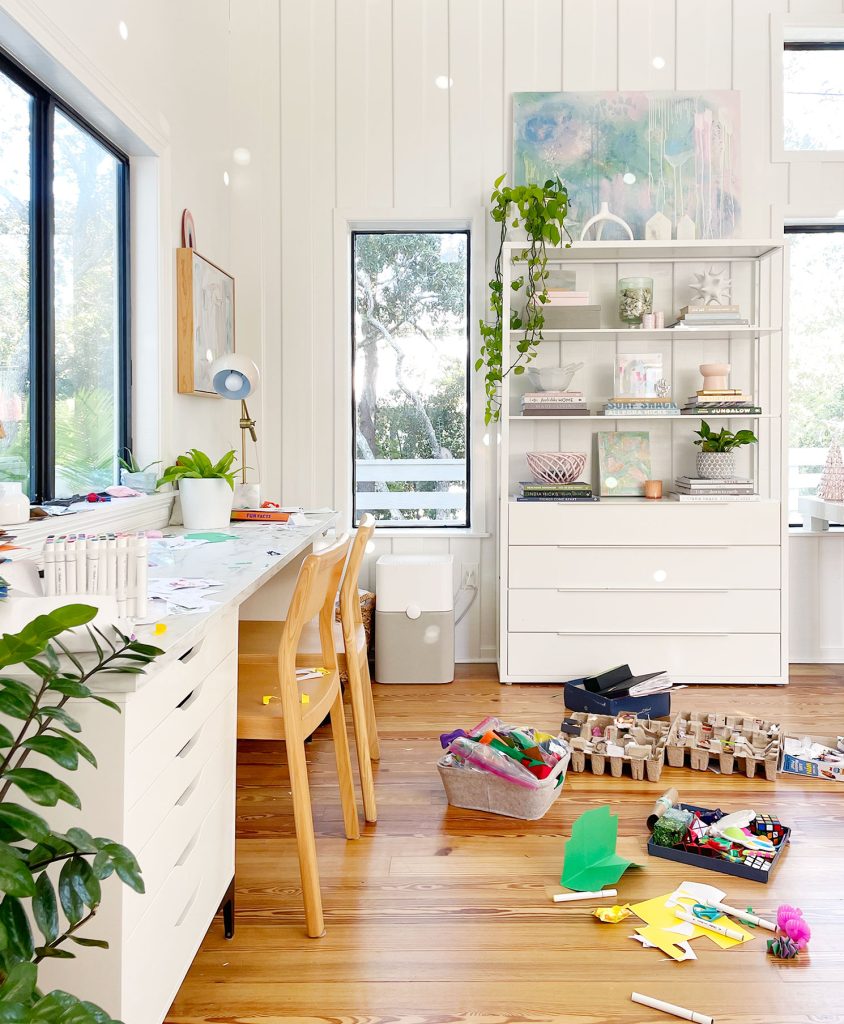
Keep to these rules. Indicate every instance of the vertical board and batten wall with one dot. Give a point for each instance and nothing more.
(364, 127)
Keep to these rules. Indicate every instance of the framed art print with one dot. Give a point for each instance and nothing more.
(624, 462)
(205, 320)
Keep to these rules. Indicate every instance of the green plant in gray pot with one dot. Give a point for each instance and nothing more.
(140, 478)
(716, 458)
(51, 879)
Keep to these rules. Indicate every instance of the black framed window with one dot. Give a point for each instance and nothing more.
(64, 310)
(813, 95)
(410, 372)
(816, 355)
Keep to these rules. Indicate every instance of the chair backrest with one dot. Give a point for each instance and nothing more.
(314, 594)
(349, 600)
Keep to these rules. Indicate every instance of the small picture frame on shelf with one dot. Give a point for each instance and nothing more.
(638, 375)
(624, 462)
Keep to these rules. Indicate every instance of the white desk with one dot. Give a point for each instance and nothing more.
(165, 786)
(821, 512)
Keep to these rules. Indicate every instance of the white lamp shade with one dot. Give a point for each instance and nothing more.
(234, 376)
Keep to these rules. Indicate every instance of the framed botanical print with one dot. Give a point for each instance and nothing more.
(205, 320)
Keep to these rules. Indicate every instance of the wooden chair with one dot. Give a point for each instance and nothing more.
(350, 647)
(292, 721)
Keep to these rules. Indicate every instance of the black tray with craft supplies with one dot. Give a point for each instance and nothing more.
(715, 863)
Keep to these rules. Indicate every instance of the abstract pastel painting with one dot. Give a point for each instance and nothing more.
(666, 162)
(624, 462)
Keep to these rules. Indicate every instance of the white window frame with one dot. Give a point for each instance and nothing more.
(796, 28)
(347, 221)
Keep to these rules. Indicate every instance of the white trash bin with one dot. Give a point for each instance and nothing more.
(414, 619)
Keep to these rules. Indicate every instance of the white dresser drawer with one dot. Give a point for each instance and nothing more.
(170, 685)
(742, 657)
(178, 832)
(619, 611)
(661, 523)
(692, 568)
(156, 753)
(159, 952)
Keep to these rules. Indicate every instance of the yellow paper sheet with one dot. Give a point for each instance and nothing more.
(660, 914)
(666, 941)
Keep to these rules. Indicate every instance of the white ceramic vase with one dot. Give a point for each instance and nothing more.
(716, 465)
(206, 504)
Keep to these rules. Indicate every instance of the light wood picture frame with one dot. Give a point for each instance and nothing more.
(205, 320)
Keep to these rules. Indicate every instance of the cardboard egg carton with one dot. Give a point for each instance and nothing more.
(735, 742)
(606, 741)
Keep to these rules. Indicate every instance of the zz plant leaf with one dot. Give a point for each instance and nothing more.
(196, 465)
(62, 901)
(541, 211)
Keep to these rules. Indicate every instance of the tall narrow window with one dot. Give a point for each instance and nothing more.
(64, 368)
(816, 356)
(813, 96)
(410, 369)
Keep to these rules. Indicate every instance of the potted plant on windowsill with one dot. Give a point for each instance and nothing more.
(716, 458)
(206, 488)
(140, 478)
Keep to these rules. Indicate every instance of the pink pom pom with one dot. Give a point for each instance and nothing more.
(790, 920)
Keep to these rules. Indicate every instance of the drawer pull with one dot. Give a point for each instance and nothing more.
(180, 920)
(191, 652)
(650, 633)
(190, 789)
(191, 743)
(189, 848)
(191, 698)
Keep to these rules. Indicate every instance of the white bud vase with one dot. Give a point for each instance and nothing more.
(716, 465)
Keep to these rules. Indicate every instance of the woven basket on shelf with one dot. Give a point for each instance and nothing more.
(556, 467)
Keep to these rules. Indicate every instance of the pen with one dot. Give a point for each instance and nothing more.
(711, 926)
(93, 545)
(672, 1008)
(567, 897)
(58, 559)
(102, 564)
(141, 577)
(743, 915)
(50, 566)
(71, 585)
(81, 563)
(111, 564)
(122, 575)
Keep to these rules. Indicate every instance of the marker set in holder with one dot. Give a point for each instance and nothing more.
(113, 564)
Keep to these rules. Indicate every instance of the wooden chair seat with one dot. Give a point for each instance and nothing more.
(262, 721)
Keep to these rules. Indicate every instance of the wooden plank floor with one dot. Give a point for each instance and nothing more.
(441, 915)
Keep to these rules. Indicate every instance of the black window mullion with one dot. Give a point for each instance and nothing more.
(124, 304)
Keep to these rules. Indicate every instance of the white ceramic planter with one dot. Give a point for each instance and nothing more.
(716, 465)
(206, 504)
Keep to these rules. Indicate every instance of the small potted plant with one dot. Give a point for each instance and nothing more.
(716, 458)
(139, 478)
(206, 488)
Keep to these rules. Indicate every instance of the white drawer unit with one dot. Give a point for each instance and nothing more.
(164, 788)
(695, 587)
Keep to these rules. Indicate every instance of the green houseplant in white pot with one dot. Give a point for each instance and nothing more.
(206, 489)
(716, 458)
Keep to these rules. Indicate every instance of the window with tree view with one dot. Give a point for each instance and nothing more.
(410, 370)
(63, 337)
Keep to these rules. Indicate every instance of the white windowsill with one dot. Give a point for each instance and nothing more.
(149, 511)
(446, 533)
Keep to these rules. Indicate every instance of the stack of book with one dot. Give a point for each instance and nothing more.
(725, 402)
(531, 490)
(712, 318)
(621, 406)
(554, 403)
(692, 489)
(564, 297)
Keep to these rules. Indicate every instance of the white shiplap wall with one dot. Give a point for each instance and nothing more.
(363, 126)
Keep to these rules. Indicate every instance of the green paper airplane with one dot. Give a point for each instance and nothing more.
(590, 858)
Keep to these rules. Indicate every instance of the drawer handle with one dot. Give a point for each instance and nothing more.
(180, 920)
(188, 850)
(191, 698)
(190, 789)
(191, 743)
(692, 636)
(191, 652)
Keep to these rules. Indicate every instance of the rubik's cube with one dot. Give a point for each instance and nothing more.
(769, 826)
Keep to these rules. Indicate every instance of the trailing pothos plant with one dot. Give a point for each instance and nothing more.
(58, 874)
(541, 210)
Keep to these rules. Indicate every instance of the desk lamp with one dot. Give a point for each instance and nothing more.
(236, 377)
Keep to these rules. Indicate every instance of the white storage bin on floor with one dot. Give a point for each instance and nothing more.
(414, 619)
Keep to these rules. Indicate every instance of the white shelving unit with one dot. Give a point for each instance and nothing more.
(695, 589)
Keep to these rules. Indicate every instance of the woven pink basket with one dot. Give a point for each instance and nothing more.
(556, 467)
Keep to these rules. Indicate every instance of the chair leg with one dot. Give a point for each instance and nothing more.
(371, 724)
(305, 839)
(344, 768)
(359, 716)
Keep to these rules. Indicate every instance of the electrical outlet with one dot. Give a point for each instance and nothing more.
(468, 576)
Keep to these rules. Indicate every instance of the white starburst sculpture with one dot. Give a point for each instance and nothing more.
(711, 288)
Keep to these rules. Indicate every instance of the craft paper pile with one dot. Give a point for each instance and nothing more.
(520, 754)
(590, 858)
